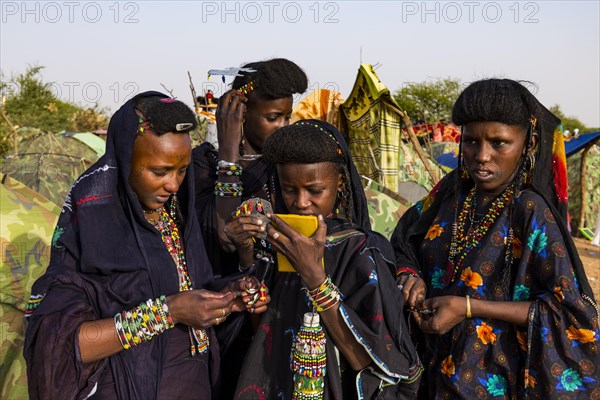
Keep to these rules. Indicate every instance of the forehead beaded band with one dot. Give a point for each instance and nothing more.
(338, 147)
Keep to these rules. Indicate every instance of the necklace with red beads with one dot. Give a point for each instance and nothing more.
(169, 231)
(463, 242)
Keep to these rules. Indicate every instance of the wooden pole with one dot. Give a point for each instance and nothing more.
(427, 137)
(582, 185)
(194, 96)
(196, 106)
(416, 144)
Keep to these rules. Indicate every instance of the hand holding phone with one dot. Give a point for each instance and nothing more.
(299, 241)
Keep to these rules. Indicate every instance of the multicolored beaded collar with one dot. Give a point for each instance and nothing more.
(464, 241)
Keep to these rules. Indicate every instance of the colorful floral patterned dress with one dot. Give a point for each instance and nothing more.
(556, 356)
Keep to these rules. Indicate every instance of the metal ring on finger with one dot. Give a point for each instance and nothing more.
(224, 312)
(275, 235)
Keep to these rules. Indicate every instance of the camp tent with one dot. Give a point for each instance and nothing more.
(92, 140)
(49, 163)
(28, 220)
(372, 123)
(583, 166)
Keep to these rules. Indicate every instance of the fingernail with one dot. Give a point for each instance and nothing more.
(259, 222)
(320, 217)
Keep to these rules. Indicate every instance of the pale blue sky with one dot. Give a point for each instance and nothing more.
(106, 50)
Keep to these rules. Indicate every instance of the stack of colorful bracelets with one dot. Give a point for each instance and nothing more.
(325, 296)
(228, 189)
(143, 322)
(228, 169)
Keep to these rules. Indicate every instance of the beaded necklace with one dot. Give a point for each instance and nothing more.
(463, 242)
(169, 231)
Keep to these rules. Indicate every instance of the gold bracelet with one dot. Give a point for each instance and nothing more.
(468, 307)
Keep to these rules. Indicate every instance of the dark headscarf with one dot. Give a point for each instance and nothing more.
(106, 257)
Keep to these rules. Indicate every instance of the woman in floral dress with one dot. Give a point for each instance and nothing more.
(488, 268)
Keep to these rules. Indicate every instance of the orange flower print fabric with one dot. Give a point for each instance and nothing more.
(434, 232)
(471, 279)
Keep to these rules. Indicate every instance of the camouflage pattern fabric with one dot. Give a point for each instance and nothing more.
(28, 220)
(49, 164)
(592, 188)
(384, 211)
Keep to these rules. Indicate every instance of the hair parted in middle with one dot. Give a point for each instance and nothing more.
(508, 102)
(309, 142)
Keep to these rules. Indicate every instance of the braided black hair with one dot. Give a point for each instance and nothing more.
(498, 100)
(508, 102)
(306, 143)
(167, 115)
(273, 79)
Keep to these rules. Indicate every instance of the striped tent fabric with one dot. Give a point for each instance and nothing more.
(373, 129)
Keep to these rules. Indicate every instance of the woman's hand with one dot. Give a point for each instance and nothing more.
(248, 295)
(440, 314)
(414, 289)
(200, 308)
(305, 254)
(242, 230)
(230, 119)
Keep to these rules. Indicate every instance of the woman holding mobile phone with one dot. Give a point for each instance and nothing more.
(344, 273)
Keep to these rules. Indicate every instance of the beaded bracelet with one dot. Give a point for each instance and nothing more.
(406, 270)
(230, 170)
(325, 296)
(228, 189)
(223, 163)
(142, 323)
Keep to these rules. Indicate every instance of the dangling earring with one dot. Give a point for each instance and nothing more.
(529, 166)
(464, 172)
(242, 141)
(173, 206)
(341, 203)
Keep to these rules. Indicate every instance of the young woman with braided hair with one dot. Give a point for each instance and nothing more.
(487, 266)
(344, 272)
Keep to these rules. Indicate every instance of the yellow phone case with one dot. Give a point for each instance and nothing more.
(306, 225)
